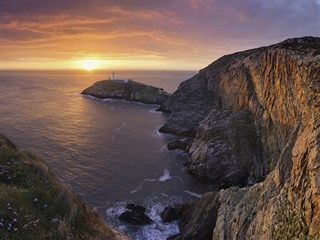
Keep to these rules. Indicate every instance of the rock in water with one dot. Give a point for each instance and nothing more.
(175, 212)
(259, 120)
(135, 216)
(134, 207)
(127, 90)
(169, 214)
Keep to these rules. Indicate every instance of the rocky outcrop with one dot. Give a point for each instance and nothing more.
(135, 215)
(263, 124)
(175, 212)
(199, 221)
(127, 90)
(226, 150)
(182, 144)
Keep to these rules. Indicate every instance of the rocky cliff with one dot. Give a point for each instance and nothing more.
(255, 120)
(127, 90)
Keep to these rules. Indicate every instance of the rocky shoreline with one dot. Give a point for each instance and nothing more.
(254, 116)
(127, 90)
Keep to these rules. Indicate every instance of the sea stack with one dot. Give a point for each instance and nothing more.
(255, 119)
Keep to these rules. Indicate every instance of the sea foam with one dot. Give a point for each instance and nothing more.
(157, 230)
(197, 195)
(166, 176)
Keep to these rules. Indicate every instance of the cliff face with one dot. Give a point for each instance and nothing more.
(259, 119)
(127, 90)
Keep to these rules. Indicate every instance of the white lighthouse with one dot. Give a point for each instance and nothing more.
(113, 78)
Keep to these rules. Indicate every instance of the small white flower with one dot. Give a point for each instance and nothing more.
(54, 220)
(35, 200)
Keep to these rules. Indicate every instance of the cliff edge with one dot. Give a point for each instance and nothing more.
(255, 119)
(36, 205)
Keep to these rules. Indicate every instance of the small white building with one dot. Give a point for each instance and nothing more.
(114, 78)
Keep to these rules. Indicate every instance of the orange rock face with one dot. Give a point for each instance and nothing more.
(279, 86)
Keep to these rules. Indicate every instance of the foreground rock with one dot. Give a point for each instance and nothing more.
(183, 144)
(262, 122)
(34, 204)
(198, 222)
(127, 90)
(135, 215)
(172, 213)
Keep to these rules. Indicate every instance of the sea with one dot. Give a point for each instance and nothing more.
(109, 151)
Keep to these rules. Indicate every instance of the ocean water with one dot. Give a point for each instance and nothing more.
(109, 151)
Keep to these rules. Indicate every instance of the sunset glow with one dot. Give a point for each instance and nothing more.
(144, 34)
(89, 64)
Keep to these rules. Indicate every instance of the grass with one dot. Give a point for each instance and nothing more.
(36, 205)
(291, 225)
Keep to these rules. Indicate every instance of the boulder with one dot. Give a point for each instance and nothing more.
(169, 214)
(135, 215)
(134, 207)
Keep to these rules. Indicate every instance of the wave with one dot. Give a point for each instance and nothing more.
(157, 230)
(122, 125)
(154, 110)
(197, 195)
(158, 134)
(166, 176)
(137, 189)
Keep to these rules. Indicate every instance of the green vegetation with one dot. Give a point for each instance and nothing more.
(35, 205)
(290, 225)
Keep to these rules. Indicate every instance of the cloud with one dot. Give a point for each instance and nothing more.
(181, 30)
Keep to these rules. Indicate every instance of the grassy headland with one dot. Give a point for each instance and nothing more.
(36, 205)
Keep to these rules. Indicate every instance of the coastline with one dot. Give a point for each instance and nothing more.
(34, 203)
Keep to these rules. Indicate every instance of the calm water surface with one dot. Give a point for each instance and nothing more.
(110, 152)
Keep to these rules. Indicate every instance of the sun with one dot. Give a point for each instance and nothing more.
(89, 65)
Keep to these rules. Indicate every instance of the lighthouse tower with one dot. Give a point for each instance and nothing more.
(113, 78)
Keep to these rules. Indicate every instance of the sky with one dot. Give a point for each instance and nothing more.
(144, 34)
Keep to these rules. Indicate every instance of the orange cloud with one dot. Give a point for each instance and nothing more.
(190, 32)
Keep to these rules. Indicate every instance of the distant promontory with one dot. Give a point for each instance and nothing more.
(128, 90)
